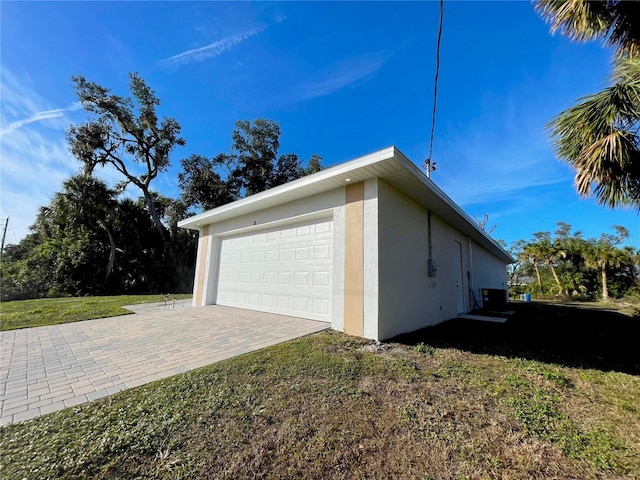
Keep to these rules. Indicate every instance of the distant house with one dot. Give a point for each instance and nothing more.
(371, 246)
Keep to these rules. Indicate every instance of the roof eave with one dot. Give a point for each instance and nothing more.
(421, 189)
(289, 191)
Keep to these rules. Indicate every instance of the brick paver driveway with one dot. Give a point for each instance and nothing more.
(45, 369)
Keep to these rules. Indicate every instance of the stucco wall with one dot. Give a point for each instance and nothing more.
(325, 204)
(398, 294)
(370, 260)
(488, 271)
(408, 298)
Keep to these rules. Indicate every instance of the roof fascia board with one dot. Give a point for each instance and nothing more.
(427, 182)
(257, 200)
(290, 191)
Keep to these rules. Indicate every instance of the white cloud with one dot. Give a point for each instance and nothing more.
(346, 73)
(35, 158)
(501, 155)
(39, 116)
(212, 50)
(341, 75)
(33, 167)
(16, 98)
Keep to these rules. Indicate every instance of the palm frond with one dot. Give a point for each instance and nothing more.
(614, 21)
(624, 32)
(602, 169)
(599, 138)
(577, 19)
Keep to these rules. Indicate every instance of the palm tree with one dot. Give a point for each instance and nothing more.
(573, 283)
(84, 202)
(599, 135)
(531, 253)
(599, 138)
(550, 254)
(616, 22)
(604, 255)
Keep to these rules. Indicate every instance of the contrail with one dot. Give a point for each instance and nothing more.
(210, 51)
(44, 115)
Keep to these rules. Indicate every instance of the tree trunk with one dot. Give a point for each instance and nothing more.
(112, 251)
(112, 256)
(605, 289)
(154, 214)
(555, 275)
(535, 265)
(166, 241)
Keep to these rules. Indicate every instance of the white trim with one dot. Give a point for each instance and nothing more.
(207, 273)
(370, 264)
(389, 164)
(257, 201)
(199, 254)
(283, 222)
(213, 258)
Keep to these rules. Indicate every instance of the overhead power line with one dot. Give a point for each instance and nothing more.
(4, 234)
(428, 164)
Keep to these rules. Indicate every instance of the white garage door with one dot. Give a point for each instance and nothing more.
(284, 270)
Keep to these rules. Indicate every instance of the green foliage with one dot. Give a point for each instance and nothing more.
(409, 413)
(540, 413)
(537, 412)
(253, 166)
(201, 185)
(570, 266)
(83, 243)
(125, 134)
(426, 349)
(599, 135)
(615, 22)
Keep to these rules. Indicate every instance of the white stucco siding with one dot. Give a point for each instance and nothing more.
(488, 271)
(408, 298)
(325, 205)
(202, 260)
(370, 252)
(287, 213)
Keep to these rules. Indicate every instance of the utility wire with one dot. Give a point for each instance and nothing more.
(3, 206)
(428, 165)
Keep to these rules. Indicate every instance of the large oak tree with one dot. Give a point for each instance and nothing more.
(126, 134)
(253, 165)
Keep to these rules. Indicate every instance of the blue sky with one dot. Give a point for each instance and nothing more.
(342, 80)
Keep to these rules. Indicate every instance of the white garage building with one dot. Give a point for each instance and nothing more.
(372, 246)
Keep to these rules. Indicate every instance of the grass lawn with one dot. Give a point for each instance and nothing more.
(51, 311)
(455, 401)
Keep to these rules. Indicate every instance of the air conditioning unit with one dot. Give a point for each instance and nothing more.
(494, 298)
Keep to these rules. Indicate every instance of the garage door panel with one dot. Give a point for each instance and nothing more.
(300, 304)
(287, 270)
(321, 279)
(320, 307)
